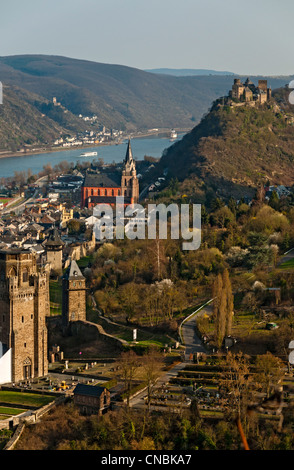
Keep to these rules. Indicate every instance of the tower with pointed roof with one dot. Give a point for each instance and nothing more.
(73, 295)
(54, 246)
(129, 180)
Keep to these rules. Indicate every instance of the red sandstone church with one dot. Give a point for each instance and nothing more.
(105, 186)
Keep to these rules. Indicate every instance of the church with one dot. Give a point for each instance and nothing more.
(105, 186)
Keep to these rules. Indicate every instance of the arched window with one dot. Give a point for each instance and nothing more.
(27, 368)
(12, 272)
(98, 192)
(25, 275)
(112, 192)
(105, 192)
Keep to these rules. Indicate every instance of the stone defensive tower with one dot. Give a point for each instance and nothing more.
(54, 246)
(24, 305)
(73, 295)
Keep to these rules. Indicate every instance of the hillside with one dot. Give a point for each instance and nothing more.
(235, 149)
(122, 97)
(29, 119)
(188, 72)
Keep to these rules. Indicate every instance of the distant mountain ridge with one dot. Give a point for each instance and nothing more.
(122, 97)
(187, 72)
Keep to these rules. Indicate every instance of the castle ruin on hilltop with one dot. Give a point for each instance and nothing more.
(249, 93)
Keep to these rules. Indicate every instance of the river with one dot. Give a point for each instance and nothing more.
(152, 146)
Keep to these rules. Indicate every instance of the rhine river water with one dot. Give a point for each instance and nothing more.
(152, 146)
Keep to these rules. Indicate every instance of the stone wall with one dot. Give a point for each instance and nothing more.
(21, 421)
(92, 330)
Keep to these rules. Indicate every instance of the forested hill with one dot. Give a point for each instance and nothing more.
(122, 97)
(233, 150)
(29, 119)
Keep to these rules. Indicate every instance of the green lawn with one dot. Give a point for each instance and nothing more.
(28, 399)
(126, 332)
(55, 292)
(287, 264)
(1, 418)
(83, 262)
(4, 410)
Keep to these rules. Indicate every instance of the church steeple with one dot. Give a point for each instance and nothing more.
(129, 163)
(129, 180)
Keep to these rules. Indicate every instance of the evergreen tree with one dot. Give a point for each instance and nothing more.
(223, 305)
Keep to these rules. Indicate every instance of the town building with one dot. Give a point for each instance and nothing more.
(103, 187)
(24, 305)
(91, 399)
(73, 295)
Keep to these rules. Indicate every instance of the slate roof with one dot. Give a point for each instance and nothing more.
(54, 239)
(102, 180)
(89, 390)
(73, 271)
(107, 200)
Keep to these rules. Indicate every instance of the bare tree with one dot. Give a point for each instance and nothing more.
(152, 366)
(129, 363)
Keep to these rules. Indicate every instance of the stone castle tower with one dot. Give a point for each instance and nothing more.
(24, 305)
(73, 295)
(129, 180)
(54, 246)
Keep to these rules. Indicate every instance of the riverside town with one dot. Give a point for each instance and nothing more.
(146, 230)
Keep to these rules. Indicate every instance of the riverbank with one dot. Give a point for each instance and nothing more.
(37, 151)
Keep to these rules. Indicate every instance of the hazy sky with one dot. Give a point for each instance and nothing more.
(245, 37)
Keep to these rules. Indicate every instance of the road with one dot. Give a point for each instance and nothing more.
(192, 343)
(286, 257)
(17, 208)
(139, 400)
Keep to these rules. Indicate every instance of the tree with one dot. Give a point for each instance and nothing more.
(129, 296)
(236, 384)
(157, 257)
(223, 305)
(270, 372)
(152, 365)
(274, 201)
(129, 363)
(218, 310)
(229, 301)
(223, 216)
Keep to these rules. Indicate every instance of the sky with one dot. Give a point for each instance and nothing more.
(248, 38)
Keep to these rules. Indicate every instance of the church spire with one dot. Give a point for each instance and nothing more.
(129, 163)
(129, 154)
